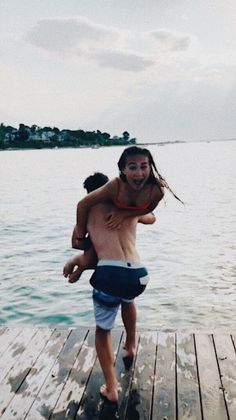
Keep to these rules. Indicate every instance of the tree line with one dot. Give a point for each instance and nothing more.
(36, 137)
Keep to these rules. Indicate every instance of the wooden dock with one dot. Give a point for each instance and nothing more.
(53, 373)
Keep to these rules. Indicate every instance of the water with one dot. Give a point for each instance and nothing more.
(190, 251)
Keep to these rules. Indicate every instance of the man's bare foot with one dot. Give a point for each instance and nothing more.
(128, 351)
(128, 356)
(110, 395)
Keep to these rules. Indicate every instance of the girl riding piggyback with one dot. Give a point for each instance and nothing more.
(136, 192)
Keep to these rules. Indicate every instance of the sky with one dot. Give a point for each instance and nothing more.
(163, 70)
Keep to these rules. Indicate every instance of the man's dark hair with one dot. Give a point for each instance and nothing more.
(95, 181)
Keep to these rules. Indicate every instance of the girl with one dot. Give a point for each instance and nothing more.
(137, 191)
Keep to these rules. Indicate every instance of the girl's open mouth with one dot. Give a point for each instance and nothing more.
(138, 182)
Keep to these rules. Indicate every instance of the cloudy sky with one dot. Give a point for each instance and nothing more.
(160, 69)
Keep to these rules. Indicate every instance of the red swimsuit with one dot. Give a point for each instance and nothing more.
(124, 206)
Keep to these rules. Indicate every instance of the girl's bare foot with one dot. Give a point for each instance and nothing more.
(73, 277)
(68, 269)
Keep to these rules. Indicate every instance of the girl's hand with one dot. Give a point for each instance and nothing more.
(114, 220)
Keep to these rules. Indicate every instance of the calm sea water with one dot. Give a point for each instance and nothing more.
(190, 251)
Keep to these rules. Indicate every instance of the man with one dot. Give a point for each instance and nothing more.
(118, 278)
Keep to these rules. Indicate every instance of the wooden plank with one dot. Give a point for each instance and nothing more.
(29, 389)
(227, 363)
(233, 337)
(57, 376)
(7, 338)
(46, 400)
(15, 350)
(91, 405)
(164, 401)
(189, 406)
(2, 330)
(213, 404)
(17, 375)
(140, 397)
(125, 378)
(69, 401)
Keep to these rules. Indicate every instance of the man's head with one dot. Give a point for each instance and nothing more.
(95, 181)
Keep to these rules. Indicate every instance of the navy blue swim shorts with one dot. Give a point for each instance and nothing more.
(122, 279)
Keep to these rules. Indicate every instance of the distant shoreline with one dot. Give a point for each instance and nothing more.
(164, 143)
(159, 143)
(185, 141)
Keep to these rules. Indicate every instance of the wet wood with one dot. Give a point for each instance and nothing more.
(15, 350)
(29, 389)
(55, 374)
(189, 406)
(11, 384)
(227, 365)
(72, 393)
(91, 403)
(213, 403)
(164, 399)
(140, 395)
(7, 337)
(50, 392)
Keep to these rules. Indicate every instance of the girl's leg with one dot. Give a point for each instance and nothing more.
(85, 261)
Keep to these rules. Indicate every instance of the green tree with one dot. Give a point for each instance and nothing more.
(23, 133)
(2, 135)
(33, 128)
(126, 136)
(56, 130)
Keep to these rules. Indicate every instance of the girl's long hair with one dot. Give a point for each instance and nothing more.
(154, 178)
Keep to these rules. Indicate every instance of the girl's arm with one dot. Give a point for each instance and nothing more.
(116, 217)
(80, 243)
(104, 193)
(147, 219)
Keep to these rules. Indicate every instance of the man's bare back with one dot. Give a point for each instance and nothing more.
(118, 244)
(107, 244)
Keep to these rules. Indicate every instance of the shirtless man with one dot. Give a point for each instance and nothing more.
(118, 279)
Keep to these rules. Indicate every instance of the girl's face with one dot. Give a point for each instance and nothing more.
(137, 171)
